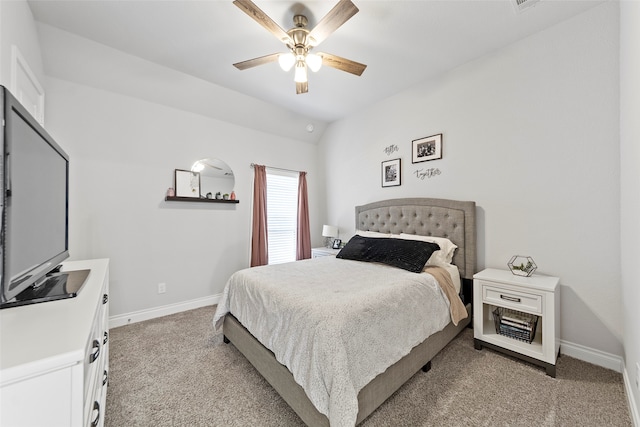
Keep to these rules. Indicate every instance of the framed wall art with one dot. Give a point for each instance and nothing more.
(391, 173)
(424, 149)
(187, 183)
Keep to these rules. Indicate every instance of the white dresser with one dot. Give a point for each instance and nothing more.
(54, 356)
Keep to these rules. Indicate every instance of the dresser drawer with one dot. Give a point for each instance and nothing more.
(509, 298)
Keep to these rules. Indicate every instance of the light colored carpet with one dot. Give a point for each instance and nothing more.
(176, 371)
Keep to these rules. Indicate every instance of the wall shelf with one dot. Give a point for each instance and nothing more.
(195, 199)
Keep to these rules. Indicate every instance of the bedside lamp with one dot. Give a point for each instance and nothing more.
(329, 232)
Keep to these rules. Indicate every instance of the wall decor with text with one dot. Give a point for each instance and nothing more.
(421, 174)
(390, 149)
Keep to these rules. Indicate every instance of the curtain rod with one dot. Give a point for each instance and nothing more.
(280, 169)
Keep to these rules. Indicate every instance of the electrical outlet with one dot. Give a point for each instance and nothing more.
(162, 288)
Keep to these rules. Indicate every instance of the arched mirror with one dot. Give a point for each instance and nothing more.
(215, 177)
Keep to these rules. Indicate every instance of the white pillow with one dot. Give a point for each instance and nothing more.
(376, 234)
(441, 257)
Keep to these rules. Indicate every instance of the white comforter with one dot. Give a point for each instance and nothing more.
(336, 324)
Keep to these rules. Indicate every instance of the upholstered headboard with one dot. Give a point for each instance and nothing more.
(455, 220)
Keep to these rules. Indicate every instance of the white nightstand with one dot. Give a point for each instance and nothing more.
(318, 252)
(537, 295)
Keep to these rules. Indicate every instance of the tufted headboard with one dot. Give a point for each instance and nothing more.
(455, 220)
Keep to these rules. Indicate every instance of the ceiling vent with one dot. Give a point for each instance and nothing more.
(522, 5)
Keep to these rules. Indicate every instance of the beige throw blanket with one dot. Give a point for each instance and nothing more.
(335, 324)
(456, 307)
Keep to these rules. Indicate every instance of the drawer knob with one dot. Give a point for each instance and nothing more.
(96, 409)
(95, 351)
(510, 298)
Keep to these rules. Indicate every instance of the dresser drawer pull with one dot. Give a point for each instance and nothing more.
(95, 351)
(508, 298)
(105, 298)
(106, 338)
(96, 420)
(105, 377)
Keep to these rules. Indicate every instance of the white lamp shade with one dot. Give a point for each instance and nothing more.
(300, 75)
(313, 61)
(286, 61)
(329, 231)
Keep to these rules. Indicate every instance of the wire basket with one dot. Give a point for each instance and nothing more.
(515, 324)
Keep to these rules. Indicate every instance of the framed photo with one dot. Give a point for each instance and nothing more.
(424, 149)
(391, 173)
(187, 183)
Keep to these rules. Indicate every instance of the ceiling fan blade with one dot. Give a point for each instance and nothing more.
(302, 88)
(342, 64)
(248, 7)
(337, 16)
(249, 63)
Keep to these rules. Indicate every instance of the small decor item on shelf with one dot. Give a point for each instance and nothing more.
(225, 196)
(209, 195)
(171, 192)
(233, 195)
(522, 265)
(218, 195)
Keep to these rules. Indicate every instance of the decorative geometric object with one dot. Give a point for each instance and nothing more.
(521, 265)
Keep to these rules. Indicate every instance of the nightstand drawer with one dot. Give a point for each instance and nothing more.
(512, 299)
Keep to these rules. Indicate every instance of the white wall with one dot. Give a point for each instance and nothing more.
(77, 59)
(123, 152)
(630, 188)
(531, 134)
(18, 28)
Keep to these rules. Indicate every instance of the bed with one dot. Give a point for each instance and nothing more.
(454, 220)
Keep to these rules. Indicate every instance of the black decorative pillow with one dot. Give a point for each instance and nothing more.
(410, 255)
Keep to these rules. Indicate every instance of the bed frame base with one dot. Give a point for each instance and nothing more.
(369, 398)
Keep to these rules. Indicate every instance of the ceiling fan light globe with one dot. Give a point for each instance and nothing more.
(314, 62)
(286, 61)
(300, 73)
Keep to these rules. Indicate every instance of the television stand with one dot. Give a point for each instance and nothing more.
(56, 286)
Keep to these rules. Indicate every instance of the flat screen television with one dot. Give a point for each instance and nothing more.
(35, 205)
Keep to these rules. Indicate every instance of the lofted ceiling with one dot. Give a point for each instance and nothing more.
(401, 42)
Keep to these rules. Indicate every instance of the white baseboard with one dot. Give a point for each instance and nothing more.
(629, 387)
(165, 310)
(591, 355)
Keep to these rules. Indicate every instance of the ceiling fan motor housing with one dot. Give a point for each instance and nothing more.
(301, 42)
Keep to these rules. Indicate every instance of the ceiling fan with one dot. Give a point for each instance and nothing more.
(300, 40)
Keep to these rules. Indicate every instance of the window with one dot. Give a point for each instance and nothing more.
(282, 213)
